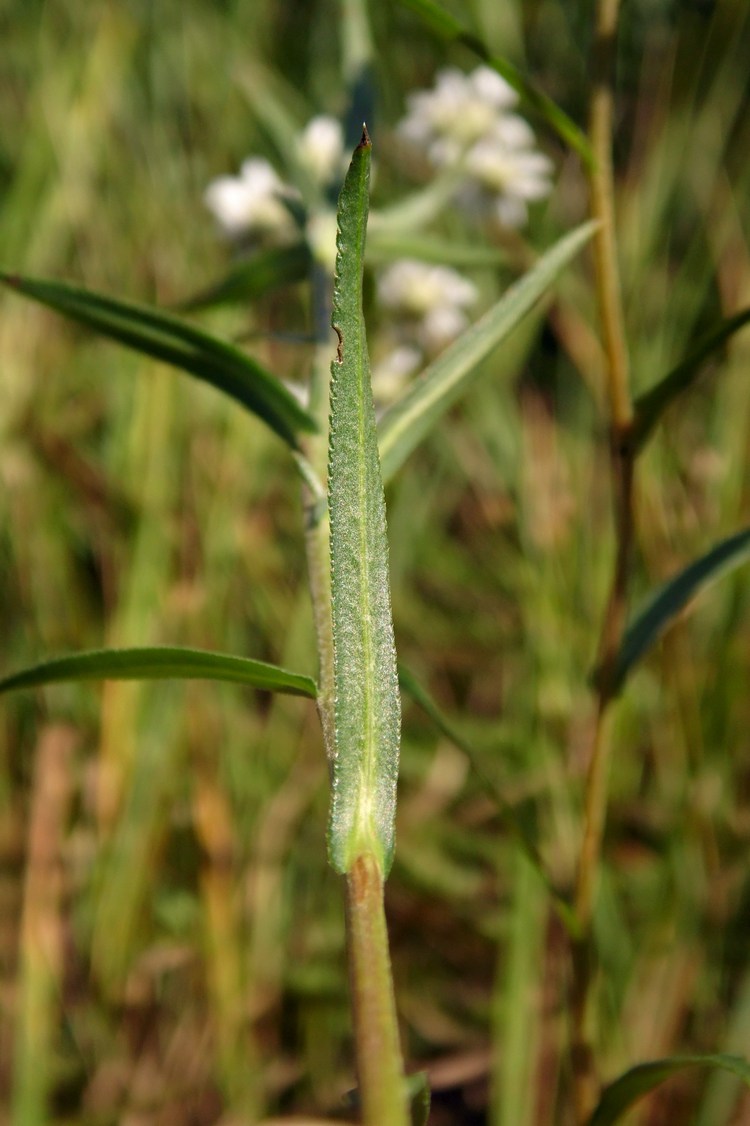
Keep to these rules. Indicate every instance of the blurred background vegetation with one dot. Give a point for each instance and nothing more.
(171, 939)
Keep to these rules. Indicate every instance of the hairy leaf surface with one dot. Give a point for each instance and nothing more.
(367, 704)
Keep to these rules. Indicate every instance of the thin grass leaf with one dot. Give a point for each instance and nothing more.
(386, 246)
(367, 708)
(409, 420)
(448, 27)
(668, 600)
(266, 271)
(167, 338)
(418, 1084)
(161, 663)
(650, 406)
(620, 1095)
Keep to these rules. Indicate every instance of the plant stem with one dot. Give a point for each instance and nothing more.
(379, 1064)
(585, 1083)
(379, 1061)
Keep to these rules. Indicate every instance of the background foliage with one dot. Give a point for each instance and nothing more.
(167, 841)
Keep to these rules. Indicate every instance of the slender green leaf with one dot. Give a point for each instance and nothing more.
(418, 1084)
(386, 246)
(668, 600)
(409, 420)
(247, 280)
(167, 338)
(620, 1095)
(161, 663)
(650, 406)
(367, 710)
(448, 27)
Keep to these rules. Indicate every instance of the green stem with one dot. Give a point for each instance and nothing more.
(382, 1089)
(585, 1082)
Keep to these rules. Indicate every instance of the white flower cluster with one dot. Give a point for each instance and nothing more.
(429, 305)
(466, 120)
(462, 120)
(257, 202)
(251, 203)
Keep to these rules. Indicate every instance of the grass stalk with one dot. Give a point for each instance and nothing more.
(601, 178)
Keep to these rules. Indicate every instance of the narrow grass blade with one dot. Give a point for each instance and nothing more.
(264, 272)
(448, 27)
(650, 406)
(418, 1084)
(634, 1084)
(669, 599)
(367, 710)
(167, 338)
(385, 246)
(161, 663)
(405, 425)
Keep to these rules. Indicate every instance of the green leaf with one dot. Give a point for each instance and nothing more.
(418, 1085)
(167, 338)
(161, 663)
(668, 600)
(367, 709)
(620, 1095)
(265, 271)
(448, 27)
(386, 246)
(408, 421)
(650, 406)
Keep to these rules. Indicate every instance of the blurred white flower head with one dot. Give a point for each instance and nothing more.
(320, 230)
(320, 148)
(251, 202)
(467, 119)
(393, 370)
(413, 287)
(429, 304)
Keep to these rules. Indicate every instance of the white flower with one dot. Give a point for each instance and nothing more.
(391, 372)
(441, 325)
(460, 110)
(509, 171)
(467, 120)
(320, 148)
(416, 288)
(252, 201)
(321, 238)
(429, 304)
